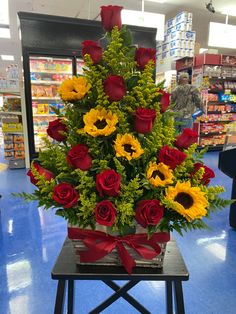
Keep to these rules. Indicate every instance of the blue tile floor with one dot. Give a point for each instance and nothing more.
(31, 238)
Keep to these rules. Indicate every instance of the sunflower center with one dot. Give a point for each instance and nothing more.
(100, 124)
(159, 174)
(128, 149)
(184, 199)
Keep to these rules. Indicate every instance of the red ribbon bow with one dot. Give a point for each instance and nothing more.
(100, 244)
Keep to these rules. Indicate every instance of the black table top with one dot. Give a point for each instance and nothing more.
(66, 268)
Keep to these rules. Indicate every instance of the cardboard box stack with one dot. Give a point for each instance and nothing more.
(179, 39)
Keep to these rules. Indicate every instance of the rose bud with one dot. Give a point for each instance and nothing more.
(208, 173)
(149, 212)
(108, 183)
(105, 213)
(111, 17)
(48, 175)
(57, 129)
(171, 157)
(144, 119)
(93, 49)
(165, 100)
(143, 56)
(78, 157)
(186, 138)
(65, 194)
(114, 87)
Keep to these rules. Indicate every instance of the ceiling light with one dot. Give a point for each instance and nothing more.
(229, 11)
(4, 12)
(222, 35)
(7, 57)
(157, 1)
(5, 32)
(145, 19)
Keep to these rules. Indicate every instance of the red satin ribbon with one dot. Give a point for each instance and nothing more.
(100, 244)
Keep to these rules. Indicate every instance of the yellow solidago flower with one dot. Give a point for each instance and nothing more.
(74, 89)
(127, 146)
(188, 201)
(100, 122)
(159, 174)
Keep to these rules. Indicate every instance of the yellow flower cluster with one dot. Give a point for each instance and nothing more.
(188, 201)
(74, 89)
(127, 146)
(100, 122)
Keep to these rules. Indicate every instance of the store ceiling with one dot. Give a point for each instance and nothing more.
(89, 9)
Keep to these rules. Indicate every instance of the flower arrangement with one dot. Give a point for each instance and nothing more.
(115, 159)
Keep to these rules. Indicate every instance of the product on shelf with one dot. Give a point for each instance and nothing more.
(212, 140)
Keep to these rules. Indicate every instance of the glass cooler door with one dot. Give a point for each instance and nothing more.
(46, 75)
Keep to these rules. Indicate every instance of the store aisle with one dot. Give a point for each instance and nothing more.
(31, 238)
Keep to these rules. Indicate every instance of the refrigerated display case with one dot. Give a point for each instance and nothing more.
(46, 75)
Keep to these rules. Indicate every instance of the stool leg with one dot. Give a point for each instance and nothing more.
(169, 298)
(70, 297)
(59, 305)
(179, 299)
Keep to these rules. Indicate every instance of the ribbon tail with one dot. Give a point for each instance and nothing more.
(126, 259)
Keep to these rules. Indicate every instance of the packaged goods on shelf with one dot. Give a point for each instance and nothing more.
(19, 154)
(12, 127)
(212, 140)
(212, 97)
(8, 145)
(212, 128)
(8, 154)
(18, 138)
(7, 137)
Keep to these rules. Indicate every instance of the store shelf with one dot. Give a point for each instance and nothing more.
(18, 113)
(39, 82)
(219, 112)
(212, 147)
(51, 71)
(217, 121)
(12, 132)
(44, 115)
(10, 91)
(46, 98)
(211, 133)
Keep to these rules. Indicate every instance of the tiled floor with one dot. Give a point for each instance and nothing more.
(31, 238)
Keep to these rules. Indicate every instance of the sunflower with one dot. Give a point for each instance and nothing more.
(159, 174)
(100, 122)
(188, 201)
(74, 89)
(127, 146)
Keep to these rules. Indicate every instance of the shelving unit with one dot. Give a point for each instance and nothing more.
(12, 129)
(217, 82)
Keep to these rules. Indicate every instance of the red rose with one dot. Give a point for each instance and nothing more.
(56, 130)
(111, 17)
(149, 212)
(143, 56)
(108, 183)
(105, 213)
(208, 173)
(93, 49)
(65, 194)
(171, 157)
(186, 138)
(144, 119)
(48, 175)
(78, 157)
(165, 100)
(114, 87)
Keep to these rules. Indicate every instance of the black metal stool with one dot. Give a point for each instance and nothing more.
(173, 273)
